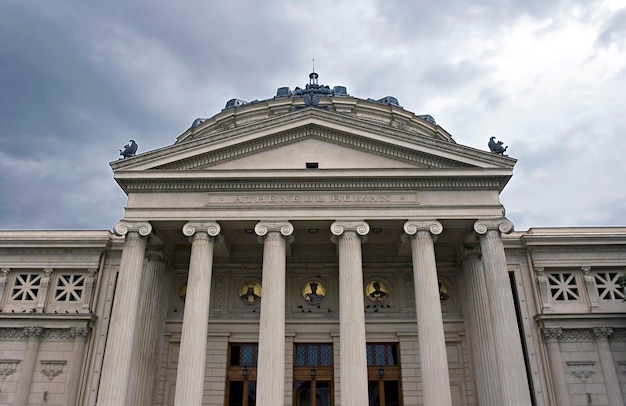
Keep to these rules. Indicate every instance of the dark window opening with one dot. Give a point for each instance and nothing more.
(312, 165)
(520, 327)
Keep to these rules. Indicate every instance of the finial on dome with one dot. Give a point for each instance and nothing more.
(313, 76)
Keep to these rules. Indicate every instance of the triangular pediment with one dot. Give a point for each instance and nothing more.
(330, 148)
(307, 140)
(330, 132)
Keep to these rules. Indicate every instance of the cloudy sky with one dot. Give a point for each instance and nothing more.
(78, 79)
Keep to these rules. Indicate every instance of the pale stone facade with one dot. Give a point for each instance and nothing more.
(313, 246)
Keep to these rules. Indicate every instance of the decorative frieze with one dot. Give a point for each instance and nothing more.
(582, 370)
(577, 335)
(8, 367)
(52, 369)
(619, 334)
(60, 334)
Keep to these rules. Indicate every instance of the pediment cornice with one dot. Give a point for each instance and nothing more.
(241, 150)
(332, 122)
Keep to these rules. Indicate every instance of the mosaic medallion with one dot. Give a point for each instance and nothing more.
(313, 291)
(444, 290)
(250, 292)
(377, 291)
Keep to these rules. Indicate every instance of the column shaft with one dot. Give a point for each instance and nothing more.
(117, 365)
(353, 357)
(432, 343)
(611, 380)
(151, 317)
(271, 363)
(192, 357)
(480, 335)
(508, 346)
(559, 383)
(79, 347)
(28, 365)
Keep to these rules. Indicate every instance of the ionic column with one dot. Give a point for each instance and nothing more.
(352, 353)
(151, 316)
(559, 383)
(33, 337)
(611, 381)
(432, 343)
(79, 346)
(479, 330)
(117, 364)
(271, 364)
(191, 361)
(507, 344)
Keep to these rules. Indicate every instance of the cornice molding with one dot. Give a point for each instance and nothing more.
(316, 184)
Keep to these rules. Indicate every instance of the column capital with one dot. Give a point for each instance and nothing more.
(503, 225)
(339, 227)
(283, 227)
(123, 227)
(552, 334)
(33, 332)
(412, 227)
(156, 254)
(470, 252)
(210, 227)
(602, 333)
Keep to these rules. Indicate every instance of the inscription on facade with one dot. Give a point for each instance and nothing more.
(296, 199)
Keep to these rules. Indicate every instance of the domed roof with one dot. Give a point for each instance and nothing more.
(385, 111)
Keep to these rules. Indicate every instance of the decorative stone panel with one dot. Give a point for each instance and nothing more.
(8, 367)
(582, 370)
(52, 369)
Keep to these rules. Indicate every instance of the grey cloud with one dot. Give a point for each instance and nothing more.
(453, 75)
(613, 31)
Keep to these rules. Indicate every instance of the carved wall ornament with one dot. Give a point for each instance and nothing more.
(543, 285)
(313, 291)
(590, 284)
(8, 367)
(250, 292)
(552, 334)
(582, 370)
(52, 369)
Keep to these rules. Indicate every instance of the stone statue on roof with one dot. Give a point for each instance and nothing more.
(497, 147)
(129, 149)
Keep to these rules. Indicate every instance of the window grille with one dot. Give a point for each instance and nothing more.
(26, 287)
(607, 285)
(563, 286)
(69, 288)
